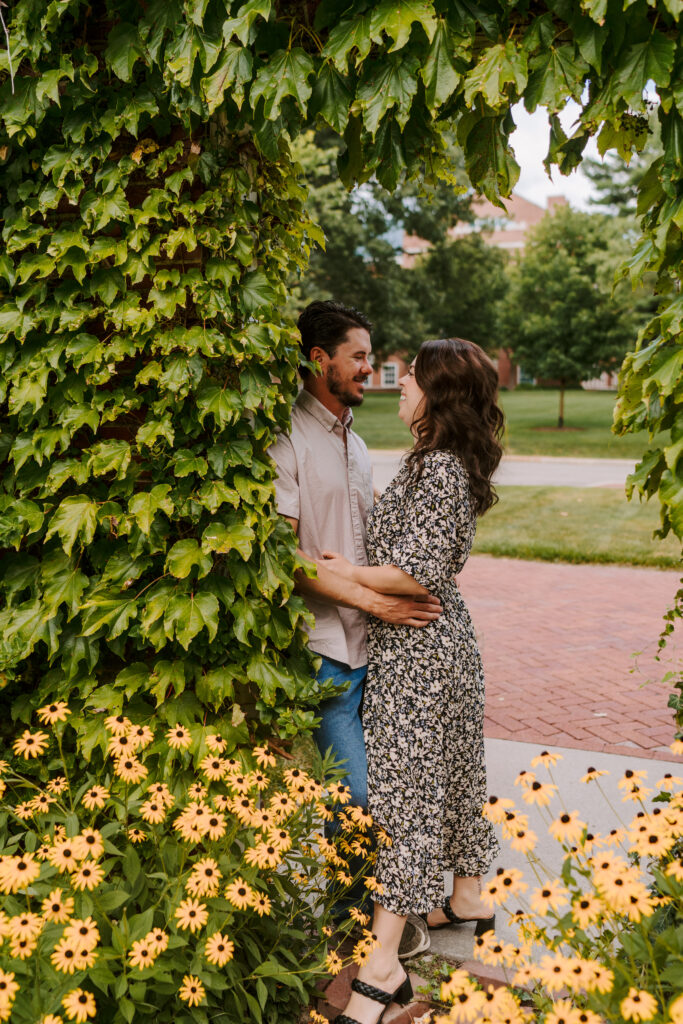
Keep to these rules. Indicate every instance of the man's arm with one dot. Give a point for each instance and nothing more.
(399, 610)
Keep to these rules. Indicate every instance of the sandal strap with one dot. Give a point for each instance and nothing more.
(449, 912)
(344, 1019)
(370, 992)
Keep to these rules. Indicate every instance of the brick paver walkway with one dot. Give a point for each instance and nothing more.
(557, 643)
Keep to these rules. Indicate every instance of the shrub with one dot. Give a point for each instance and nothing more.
(605, 940)
(164, 881)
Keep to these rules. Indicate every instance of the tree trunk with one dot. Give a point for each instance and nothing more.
(560, 417)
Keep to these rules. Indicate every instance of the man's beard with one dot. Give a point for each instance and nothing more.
(338, 387)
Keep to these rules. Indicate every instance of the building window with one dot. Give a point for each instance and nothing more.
(390, 375)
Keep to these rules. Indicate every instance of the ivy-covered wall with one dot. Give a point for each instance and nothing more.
(150, 215)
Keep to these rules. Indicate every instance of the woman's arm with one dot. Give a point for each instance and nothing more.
(386, 579)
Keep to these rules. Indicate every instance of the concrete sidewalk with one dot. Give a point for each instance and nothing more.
(526, 470)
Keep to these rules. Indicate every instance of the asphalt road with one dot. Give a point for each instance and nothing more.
(528, 470)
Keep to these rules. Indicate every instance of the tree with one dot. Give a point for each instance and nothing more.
(561, 318)
(360, 264)
(460, 285)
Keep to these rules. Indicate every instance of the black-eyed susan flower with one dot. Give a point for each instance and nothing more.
(264, 855)
(358, 915)
(51, 713)
(587, 909)
(51, 1018)
(24, 810)
(121, 745)
(57, 907)
(30, 744)
(631, 778)
(179, 738)
(547, 758)
(90, 841)
(240, 782)
(496, 808)
(525, 778)
(87, 876)
(676, 747)
(192, 990)
(222, 802)
(669, 781)
(215, 825)
(204, 879)
(141, 735)
(141, 954)
(650, 839)
(592, 774)
(191, 914)
(24, 926)
(157, 938)
(219, 949)
(83, 932)
(79, 1005)
(540, 793)
(523, 839)
(118, 724)
(282, 804)
(17, 872)
(562, 1012)
(41, 803)
(160, 791)
(216, 744)
(213, 767)
(568, 828)
(240, 894)
(638, 1005)
(316, 1018)
(675, 1011)
(490, 949)
(264, 757)
(601, 979)
(197, 791)
(333, 963)
(153, 811)
(137, 835)
(22, 949)
(95, 798)
(67, 957)
(507, 882)
(261, 904)
(551, 896)
(554, 972)
(130, 769)
(8, 986)
(675, 870)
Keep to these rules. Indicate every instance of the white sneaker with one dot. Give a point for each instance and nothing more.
(415, 938)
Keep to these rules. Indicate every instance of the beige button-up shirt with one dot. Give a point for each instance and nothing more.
(325, 481)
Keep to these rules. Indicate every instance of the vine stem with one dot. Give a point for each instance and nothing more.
(9, 48)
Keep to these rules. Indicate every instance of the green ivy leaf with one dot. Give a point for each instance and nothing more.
(75, 518)
(245, 17)
(108, 609)
(352, 34)
(186, 616)
(286, 74)
(397, 17)
(650, 60)
(439, 73)
(555, 75)
(232, 534)
(123, 50)
(498, 67)
(232, 73)
(110, 457)
(183, 556)
(145, 505)
(331, 98)
(385, 85)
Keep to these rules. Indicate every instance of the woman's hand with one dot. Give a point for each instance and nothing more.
(337, 563)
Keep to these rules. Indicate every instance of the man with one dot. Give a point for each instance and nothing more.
(324, 490)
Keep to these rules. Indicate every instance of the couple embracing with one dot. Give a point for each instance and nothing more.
(390, 622)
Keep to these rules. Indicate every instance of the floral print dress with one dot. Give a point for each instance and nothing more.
(423, 712)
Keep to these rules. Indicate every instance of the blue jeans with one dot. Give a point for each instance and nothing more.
(341, 730)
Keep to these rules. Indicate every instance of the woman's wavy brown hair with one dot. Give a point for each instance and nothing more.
(459, 413)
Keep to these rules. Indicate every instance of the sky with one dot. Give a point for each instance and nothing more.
(530, 144)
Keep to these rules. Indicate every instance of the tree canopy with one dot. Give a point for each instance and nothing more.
(562, 319)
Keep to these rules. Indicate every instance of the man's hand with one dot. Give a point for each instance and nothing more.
(405, 611)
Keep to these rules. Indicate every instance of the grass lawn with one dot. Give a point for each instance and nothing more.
(574, 524)
(531, 418)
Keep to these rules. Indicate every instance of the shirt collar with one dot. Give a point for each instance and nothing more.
(311, 404)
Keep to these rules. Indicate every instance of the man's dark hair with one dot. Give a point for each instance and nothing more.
(324, 324)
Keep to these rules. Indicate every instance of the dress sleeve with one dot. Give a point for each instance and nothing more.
(437, 522)
(287, 480)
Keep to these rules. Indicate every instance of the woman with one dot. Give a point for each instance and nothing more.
(424, 703)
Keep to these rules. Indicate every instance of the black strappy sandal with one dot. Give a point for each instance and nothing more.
(402, 995)
(483, 924)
